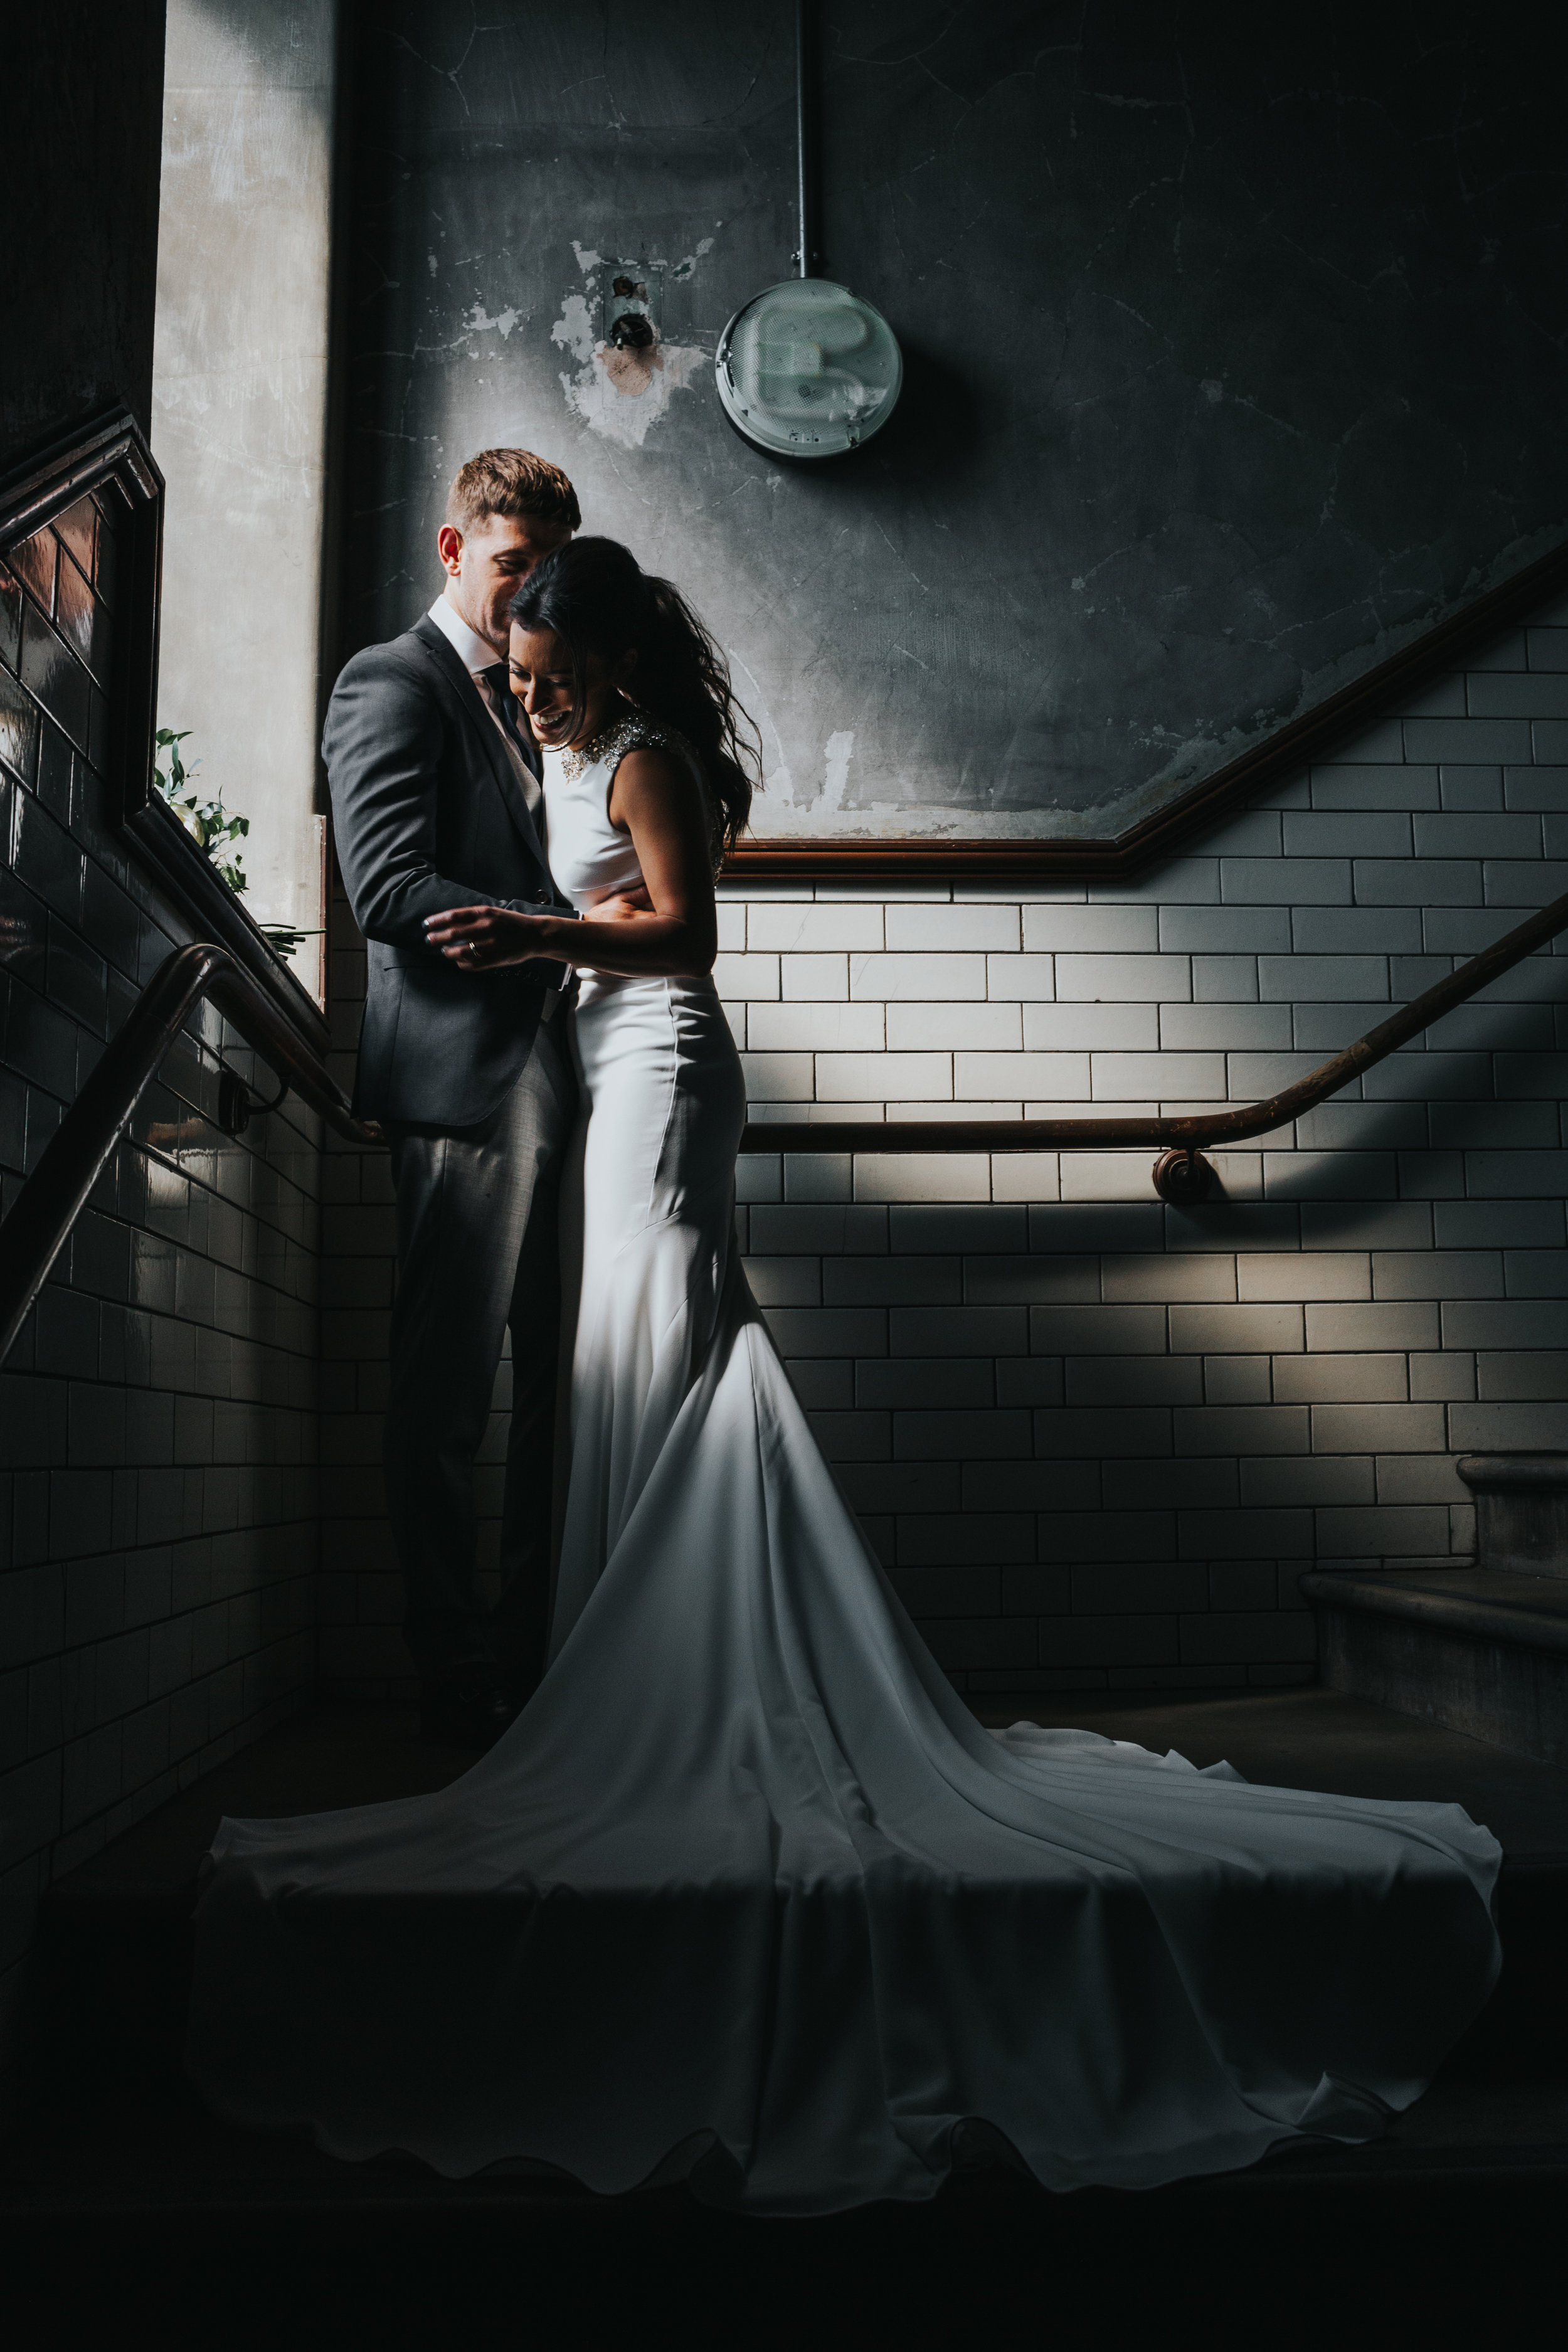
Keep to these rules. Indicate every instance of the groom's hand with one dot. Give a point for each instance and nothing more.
(622, 906)
(487, 939)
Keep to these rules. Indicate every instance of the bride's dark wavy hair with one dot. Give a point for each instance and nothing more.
(595, 597)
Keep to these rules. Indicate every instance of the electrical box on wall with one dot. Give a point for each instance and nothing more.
(805, 369)
(808, 369)
(632, 302)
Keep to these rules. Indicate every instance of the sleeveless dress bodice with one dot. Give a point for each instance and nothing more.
(591, 858)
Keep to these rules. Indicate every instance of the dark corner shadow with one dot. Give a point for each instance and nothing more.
(934, 434)
(933, 440)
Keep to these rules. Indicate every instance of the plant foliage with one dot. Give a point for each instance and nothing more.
(210, 826)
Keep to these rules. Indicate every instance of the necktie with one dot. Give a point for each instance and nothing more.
(492, 686)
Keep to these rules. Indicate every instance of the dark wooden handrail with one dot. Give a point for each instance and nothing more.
(57, 1192)
(1181, 1174)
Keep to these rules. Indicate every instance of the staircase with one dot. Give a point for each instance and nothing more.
(121, 2185)
(1479, 1646)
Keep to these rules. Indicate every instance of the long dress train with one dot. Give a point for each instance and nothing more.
(746, 1895)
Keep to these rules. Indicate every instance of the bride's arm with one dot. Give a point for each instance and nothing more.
(655, 799)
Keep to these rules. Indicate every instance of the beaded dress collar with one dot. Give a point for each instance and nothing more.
(636, 732)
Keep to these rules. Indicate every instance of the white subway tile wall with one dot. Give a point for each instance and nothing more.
(158, 1507)
(1096, 1440)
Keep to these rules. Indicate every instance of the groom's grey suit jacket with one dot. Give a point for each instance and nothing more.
(427, 813)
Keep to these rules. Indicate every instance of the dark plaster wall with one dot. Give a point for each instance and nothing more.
(84, 90)
(1236, 346)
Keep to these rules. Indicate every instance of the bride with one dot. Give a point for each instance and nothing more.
(745, 1895)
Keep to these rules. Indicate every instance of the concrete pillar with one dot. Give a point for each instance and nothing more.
(239, 393)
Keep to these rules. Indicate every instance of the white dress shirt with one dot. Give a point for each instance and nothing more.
(473, 652)
(477, 657)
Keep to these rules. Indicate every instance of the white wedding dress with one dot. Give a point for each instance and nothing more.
(746, 1896)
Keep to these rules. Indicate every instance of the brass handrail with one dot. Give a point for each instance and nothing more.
(1181, 1174)
(57, 1192)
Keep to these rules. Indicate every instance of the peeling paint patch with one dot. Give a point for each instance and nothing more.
(687, 265)
(620, 394)
(573, 330)
(840, 750)
(774, 813)
(479, 319)
(624, 404)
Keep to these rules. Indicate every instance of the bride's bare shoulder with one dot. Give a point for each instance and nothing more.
(656, 767)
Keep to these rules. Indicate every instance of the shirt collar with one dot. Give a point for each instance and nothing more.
(474, 654)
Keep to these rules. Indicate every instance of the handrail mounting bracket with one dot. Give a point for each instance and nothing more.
(1185, 1178)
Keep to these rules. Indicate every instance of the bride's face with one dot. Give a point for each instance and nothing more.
(542, 681)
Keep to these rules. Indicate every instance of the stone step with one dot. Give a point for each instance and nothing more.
(1522, 1511)
(118, 1931)
(165, 2225)
(1480, 1649)
(124, 2194)
(1479, 1646)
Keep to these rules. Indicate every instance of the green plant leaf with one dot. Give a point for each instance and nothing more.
(209, 824)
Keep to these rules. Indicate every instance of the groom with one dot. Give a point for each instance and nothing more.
(437, 804)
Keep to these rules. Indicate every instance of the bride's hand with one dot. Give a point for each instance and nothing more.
(486, 939)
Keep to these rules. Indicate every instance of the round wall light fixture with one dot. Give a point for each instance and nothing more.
(806, 369)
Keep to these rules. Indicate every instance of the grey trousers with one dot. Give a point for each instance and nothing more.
(477, 1251)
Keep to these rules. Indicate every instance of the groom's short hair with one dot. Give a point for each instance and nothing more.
(510, 482)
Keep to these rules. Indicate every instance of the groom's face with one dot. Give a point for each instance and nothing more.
(487, 565)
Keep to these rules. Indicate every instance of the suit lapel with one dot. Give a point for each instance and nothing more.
(448, 665)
